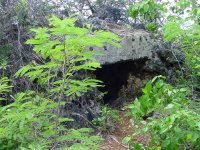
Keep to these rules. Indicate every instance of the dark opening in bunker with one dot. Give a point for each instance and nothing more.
(114, 76)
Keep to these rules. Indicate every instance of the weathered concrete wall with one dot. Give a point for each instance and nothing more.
(135, 45)
(139, 44)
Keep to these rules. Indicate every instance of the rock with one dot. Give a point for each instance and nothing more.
(134, 45)
(137, 26)
(83, 110)
(79, 23)
(155, 66)
(170, 56)
(110, 14)
(97, 24)
(139, 44)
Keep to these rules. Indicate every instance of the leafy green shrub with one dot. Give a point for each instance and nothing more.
(151, 26)
(172, 119)
(170, 122)
(67, 49)
(26, 123)
(33, 120)
(189, 40)
(108, 117)
(147, 12)
(30, 123)
(154, 94)
(4, 87)
(177, 128)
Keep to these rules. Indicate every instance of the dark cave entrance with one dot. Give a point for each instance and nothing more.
(114, 76)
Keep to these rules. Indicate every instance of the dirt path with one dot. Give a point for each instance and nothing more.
(113, 141)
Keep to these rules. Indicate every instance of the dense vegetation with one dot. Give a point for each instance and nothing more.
(33, 120)
(173, 122)
(40, 73)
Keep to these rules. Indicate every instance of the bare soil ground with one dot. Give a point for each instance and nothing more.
(113, 141)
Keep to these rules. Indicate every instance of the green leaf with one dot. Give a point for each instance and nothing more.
(169, 106)
(146, 8)
(137, 146)
(126, 139)
(65, 119)
(165, 143)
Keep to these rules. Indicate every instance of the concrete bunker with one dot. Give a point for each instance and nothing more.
(114, 76)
